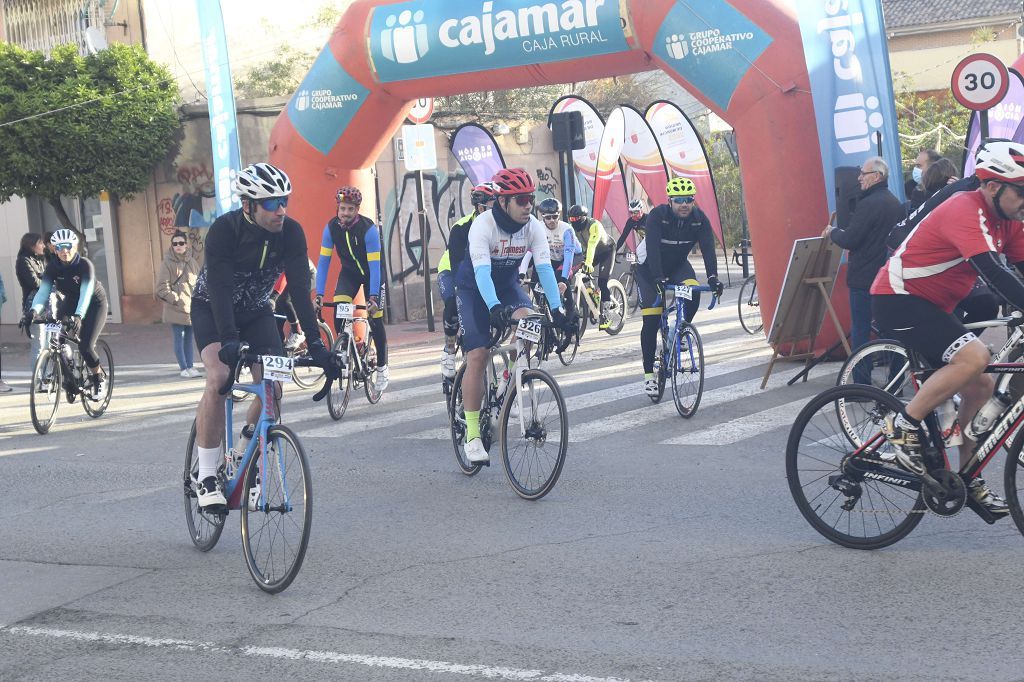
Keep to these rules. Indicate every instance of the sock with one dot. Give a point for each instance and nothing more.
(472, 425)
(209, 461)
(248, 431)
(906, 422)
(648, 376)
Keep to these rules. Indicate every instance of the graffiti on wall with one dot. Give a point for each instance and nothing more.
(547, 182)
(191, 202)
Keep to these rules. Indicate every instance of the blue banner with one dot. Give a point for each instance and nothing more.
(477, 152)
(221, 98)
(851, 86)
(711, 47)
(427, 38)
(325, 103)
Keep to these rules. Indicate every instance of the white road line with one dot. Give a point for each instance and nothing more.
(741, 428)
(332, 657)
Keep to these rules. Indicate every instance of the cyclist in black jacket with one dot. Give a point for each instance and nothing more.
(636, 222)
(246, 250)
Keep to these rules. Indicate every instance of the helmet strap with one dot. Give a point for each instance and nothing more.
(995, 200)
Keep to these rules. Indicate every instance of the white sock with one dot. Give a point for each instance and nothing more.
(209, 461)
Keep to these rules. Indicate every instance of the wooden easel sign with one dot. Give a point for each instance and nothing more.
(805, 298)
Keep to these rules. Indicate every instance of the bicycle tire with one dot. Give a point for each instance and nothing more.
(569, 354)
(810, 507)
(95, 410)
(341, 390)
(373, 396)
(749, 307)
(457, 426)
(311, 377)
(271, 576)
(525, 489)
(660, 367)
(204, 528)
(617, 295)
(45, 415)
(679, 367)
(887, 352)
(1012, 488)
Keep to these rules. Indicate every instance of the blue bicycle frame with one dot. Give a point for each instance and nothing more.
(680, 303)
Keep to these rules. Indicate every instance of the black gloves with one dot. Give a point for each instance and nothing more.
(716, 286)
(500, 316)
(229, 352)
(567, 322)
(74, 325)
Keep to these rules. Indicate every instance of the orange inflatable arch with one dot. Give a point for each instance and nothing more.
(742, 58)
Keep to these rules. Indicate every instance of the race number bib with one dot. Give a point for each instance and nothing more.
(630, 257)
(529, 330)
(684, 291)
(52, 328)
(344, 311)
(277, 368)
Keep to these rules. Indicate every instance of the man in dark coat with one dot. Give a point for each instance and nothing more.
(875, 212)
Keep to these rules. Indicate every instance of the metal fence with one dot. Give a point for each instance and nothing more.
(44, 24)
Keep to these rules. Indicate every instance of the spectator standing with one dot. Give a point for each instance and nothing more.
(939, 174)
(4, 388)
(29, 268)
(178, 274)
(875, 212)
(914, 188)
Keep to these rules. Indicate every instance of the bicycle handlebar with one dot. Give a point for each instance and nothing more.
(246, 356)
(698, 287)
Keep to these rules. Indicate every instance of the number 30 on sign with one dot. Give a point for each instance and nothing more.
(980, 82)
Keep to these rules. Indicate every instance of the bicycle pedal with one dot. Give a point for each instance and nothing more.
(986, 516)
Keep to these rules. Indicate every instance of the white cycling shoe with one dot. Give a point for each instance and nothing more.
(475, 452)
(447, 364)
(381, 382)
(651, 388)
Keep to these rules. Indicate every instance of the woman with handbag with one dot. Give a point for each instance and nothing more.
(178, 274)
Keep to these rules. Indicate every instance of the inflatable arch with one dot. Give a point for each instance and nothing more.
(742, 58)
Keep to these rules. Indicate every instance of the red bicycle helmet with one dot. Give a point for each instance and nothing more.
(350, 195)
(513, 181)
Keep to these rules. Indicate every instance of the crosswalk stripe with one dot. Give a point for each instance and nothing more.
(741, 428)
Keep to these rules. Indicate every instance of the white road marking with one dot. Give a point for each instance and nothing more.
(741, 428)
(279, 653)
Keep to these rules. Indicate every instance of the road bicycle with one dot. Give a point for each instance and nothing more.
(680, 354)
(553, 339)
(60, 368)
(852, 489)
(750, 306)
(308, 376)
(523, 409)
(629, 284)
(587, 299)
(269, 482)
(360, 359)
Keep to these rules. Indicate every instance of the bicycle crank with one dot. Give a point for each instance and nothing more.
(943, 492)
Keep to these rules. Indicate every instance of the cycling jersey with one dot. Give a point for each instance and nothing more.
(670, 239)
(76, 282)
(598, 242)
(562, 246)
(242, 262)
(458, 239)
(931, 263)
(631, 226)
(358, 248)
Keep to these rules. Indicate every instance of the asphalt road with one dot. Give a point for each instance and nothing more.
(650, 560)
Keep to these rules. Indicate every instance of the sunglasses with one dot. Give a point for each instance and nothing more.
(64, 246)
(177, 243)
(525, 199)
(550, 216)
(273, 203)
(682, 200)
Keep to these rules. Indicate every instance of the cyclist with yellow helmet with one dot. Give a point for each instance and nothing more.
(672, 231)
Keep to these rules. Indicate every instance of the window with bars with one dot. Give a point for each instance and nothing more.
(44, 24)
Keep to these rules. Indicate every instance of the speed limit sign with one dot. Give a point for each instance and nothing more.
(421, 110)
(980, 81)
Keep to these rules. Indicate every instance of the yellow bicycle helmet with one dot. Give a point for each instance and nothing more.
(681, 187)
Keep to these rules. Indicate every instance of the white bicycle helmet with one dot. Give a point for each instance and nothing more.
(635, 205)
(64, 236)
(1002, 161)
(262, 181)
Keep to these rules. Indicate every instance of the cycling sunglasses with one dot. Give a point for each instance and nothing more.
(63, 246)
(273, 203)
(550, 216)
(525, 199)
(682, 200)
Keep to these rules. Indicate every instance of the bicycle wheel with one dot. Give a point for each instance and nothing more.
(632, 292)
(569, 354)
(1013, 479)
(848, 494)
(686, 367)
(616, 314)
(311, 376)
(457, 424)
(750, 307)
(533, 460)
(341, 390)
(660, 365)
(95, 409)
(44, 397)
(277, 511)
(888, 369)
(370, 362)
(203, 527)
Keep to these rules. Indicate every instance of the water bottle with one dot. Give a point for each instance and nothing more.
(948, 424)
(987, 415)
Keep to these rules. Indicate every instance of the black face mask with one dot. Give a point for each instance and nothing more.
(504, 221)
